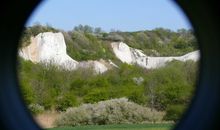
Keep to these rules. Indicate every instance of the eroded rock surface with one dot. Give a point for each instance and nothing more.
(135, 56)
(50, 48)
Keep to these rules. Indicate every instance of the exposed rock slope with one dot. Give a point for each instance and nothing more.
(50, 47)
(134, 56)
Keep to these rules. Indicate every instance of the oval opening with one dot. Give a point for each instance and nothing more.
(118, 64)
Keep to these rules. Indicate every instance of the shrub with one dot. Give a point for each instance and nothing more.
(114, 37)
(27, 92)
(96, 95)
(169, 85)
(174, 112)
(138, 97)
(36, 108)
(65, 101)
(115, 111)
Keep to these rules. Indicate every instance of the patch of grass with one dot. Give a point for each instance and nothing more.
(119, 127)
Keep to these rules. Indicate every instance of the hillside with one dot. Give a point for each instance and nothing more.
(87, 43)
(53, 48)
(165, 86)
(50, 48)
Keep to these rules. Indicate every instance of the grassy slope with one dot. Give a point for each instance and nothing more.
(119, 127)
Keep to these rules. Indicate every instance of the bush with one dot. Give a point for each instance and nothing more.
(115, 111)
(96, 95)
(65, 101)
(36, 108)
(170, 85)
(174, 112)
(27, 92)
(138, 97)
(114, 37)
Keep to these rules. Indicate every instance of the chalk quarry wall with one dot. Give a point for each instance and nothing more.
(50, 48)
(135, 56)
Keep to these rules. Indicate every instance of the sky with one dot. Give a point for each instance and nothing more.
(123, 15)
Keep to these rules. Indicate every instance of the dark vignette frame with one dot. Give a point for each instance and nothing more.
(203, 113)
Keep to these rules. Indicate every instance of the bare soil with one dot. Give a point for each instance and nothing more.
(46, 119)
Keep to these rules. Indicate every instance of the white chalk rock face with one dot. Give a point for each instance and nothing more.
(122, 52)
(50, 48)
(134, 56)
(125, 53)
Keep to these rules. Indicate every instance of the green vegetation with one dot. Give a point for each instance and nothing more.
(33, 31)
(53, 88)
(115, 111)
(168, 89)
(119, 127)
(87, 43)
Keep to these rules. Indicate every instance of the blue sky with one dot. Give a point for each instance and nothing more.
(124, 15)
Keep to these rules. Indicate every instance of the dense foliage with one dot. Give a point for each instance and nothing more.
(115, 111)
(57, 89)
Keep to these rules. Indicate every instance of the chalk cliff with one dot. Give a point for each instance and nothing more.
(50, 48)
(135, 56)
